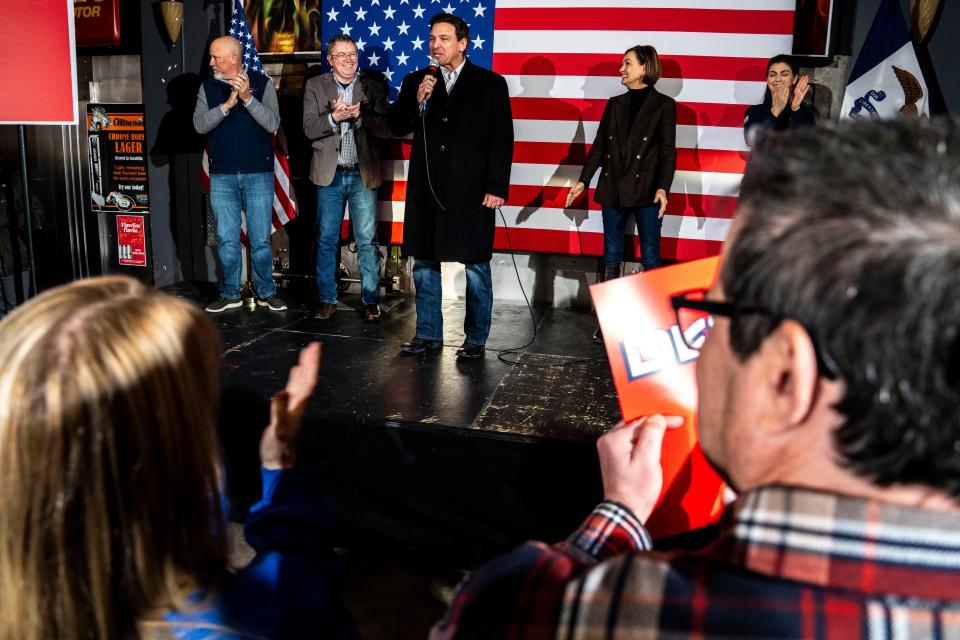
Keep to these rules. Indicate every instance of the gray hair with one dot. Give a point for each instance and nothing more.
(854, 231)
(340, 37)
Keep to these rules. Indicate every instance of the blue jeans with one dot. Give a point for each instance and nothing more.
(648, 227)
(253, 193)
(347, 187)
(476, 325)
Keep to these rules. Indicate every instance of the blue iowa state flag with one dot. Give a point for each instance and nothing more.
(886, 79)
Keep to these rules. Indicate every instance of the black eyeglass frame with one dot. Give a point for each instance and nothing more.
(828, 368)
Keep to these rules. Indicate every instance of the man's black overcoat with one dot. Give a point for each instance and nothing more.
(469, 142)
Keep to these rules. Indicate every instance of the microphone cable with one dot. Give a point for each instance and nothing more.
(502, 354)
(426, 165)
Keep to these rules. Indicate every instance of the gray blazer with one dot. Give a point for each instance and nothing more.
(318, 97)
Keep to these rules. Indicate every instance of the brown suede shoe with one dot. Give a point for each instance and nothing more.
(371, 312)
(325, 311)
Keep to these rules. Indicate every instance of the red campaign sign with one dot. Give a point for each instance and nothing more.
(38, 77)
(654, 372)
(131, 241)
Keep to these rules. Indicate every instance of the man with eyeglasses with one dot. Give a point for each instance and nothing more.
(344, 116)
(828, 399)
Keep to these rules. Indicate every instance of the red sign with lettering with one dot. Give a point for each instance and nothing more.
(131, 241)
(38, 77)
(98, 22)
(653, 371)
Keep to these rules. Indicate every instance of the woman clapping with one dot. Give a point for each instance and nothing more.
(782, 107)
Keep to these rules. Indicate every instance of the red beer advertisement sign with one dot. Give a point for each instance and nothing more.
(131, 241)
(654, 372)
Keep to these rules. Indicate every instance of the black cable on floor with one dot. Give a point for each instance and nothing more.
(503, 354)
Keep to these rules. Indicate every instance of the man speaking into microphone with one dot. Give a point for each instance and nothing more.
(459, 174)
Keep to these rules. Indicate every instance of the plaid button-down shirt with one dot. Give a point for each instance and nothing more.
(348, 144)
(783, 563)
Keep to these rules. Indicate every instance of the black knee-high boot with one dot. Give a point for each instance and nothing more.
(610, 272)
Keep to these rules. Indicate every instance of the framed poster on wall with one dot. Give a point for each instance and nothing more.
(131, 241)
(117, 158)
(285, 27)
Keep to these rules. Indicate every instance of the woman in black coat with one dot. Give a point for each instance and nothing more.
(636, 148)
(782, 107)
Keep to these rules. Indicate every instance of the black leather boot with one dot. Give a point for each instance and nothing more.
(610, 272)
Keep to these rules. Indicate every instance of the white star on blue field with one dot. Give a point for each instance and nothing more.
(393, 35)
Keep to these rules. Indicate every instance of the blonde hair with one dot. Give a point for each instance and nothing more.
(110, 505)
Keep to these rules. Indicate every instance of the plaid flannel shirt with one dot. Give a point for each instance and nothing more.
(348, 143)
(783, 563)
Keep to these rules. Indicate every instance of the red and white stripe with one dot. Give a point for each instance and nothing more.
(561, 60)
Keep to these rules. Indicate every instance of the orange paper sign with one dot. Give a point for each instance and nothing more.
(654, 373)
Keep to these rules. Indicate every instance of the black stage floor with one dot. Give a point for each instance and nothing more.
(429, 454)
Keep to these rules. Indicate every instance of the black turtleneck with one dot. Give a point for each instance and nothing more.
(637, 98)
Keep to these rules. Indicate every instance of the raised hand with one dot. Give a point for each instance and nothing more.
(799, 92)
(781, 95)
(278, 444)
(242, 85)
(425, 90)
(231, 100)
(342, 110)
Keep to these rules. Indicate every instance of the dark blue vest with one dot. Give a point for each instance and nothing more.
(238, 144)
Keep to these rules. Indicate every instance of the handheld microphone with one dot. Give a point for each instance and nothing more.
(432, 70)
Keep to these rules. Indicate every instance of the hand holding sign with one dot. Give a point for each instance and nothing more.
(630, 462)
(654, 374)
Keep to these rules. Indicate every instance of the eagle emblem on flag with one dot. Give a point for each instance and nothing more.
(912, 91)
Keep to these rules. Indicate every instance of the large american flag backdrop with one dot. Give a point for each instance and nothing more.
(561, 60)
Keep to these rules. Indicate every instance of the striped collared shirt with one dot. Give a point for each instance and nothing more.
(783, 563)
(450, 77)
(348, 144)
